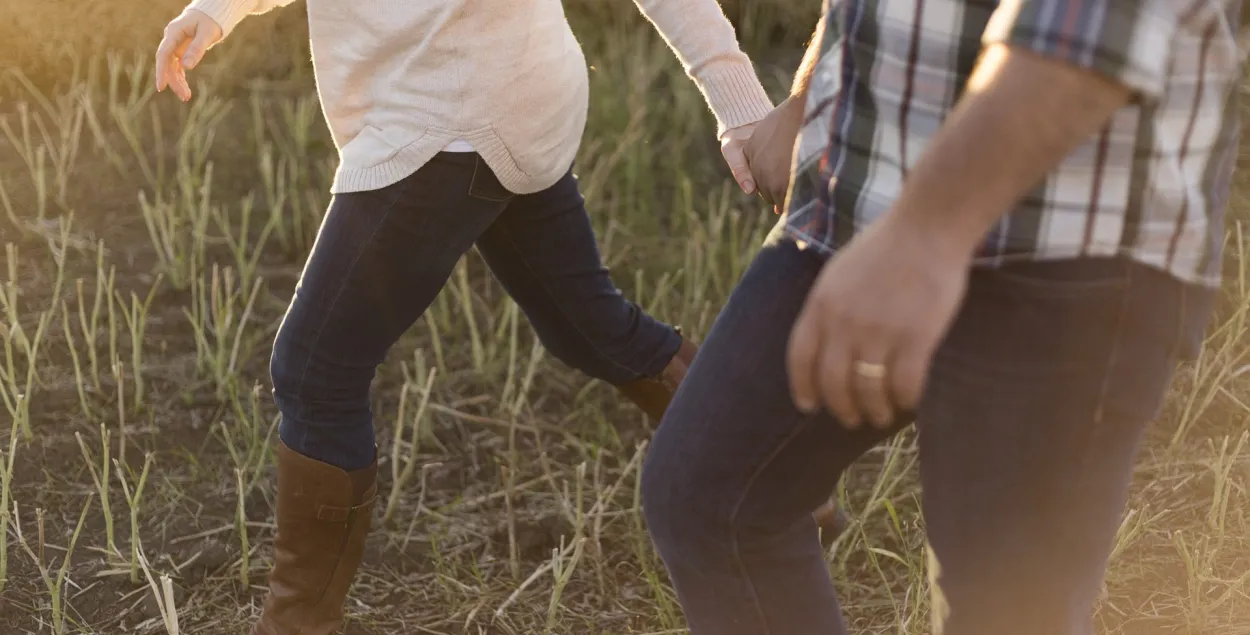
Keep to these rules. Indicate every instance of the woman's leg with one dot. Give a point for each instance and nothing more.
(543, 250)
(380, 259)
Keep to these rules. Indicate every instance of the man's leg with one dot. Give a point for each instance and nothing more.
(1028, 432)
(1028, 428)
(380, 259)
(735, 470)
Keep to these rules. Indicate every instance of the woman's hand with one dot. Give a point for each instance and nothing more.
(732, 143)
(186, 40)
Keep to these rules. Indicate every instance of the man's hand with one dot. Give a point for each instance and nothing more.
(863, 342)
(771, 149)
(732, 143)
(186, 40)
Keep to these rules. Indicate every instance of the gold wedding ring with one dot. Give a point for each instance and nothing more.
(869, 370)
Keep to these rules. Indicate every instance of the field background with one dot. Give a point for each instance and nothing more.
(150, 248)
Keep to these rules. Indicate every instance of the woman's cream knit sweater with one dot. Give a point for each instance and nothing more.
(401, 79)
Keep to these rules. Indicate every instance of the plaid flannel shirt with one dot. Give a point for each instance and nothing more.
(1152, 185)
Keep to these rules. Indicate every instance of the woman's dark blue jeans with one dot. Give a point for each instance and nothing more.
(1028, 429)
(382, 256)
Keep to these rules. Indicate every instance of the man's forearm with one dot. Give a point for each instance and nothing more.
(803, 77)
(1020, 116)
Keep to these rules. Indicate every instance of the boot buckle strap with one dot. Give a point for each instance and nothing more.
(334, 514)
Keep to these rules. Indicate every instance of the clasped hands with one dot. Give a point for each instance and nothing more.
(863, 342)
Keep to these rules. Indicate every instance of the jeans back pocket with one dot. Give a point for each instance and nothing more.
(486, 186)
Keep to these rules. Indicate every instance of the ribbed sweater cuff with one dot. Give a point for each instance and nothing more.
(735, 95)
(226, 13)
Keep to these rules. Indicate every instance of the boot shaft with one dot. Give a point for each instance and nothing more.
(324, 515)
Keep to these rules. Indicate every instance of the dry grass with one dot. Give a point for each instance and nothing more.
(150, 249)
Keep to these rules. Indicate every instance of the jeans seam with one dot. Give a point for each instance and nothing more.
(733, 522)
(1108, 372)
(1182, 322)
(316, 339)
(543, 284)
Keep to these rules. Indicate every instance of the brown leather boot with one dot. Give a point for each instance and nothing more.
(653, 394)
(831, 520)
(323, 519)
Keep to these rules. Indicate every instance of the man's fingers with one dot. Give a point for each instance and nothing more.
(908, 375)
(774, 190)
(737, 162)
(801, 354)
(772, 193)
(836, 375)
(871, 382)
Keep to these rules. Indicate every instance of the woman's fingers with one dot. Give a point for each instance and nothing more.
(185, 40)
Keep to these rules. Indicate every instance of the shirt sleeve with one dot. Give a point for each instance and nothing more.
(1126, 40)
(704, 41)
(228, 13)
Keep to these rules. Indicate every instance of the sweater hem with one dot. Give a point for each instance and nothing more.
(407, 160)
(404, 163)
(501, 161)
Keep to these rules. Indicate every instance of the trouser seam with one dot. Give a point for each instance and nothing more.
(1113, 356)
(325, 315)
(733, 522)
